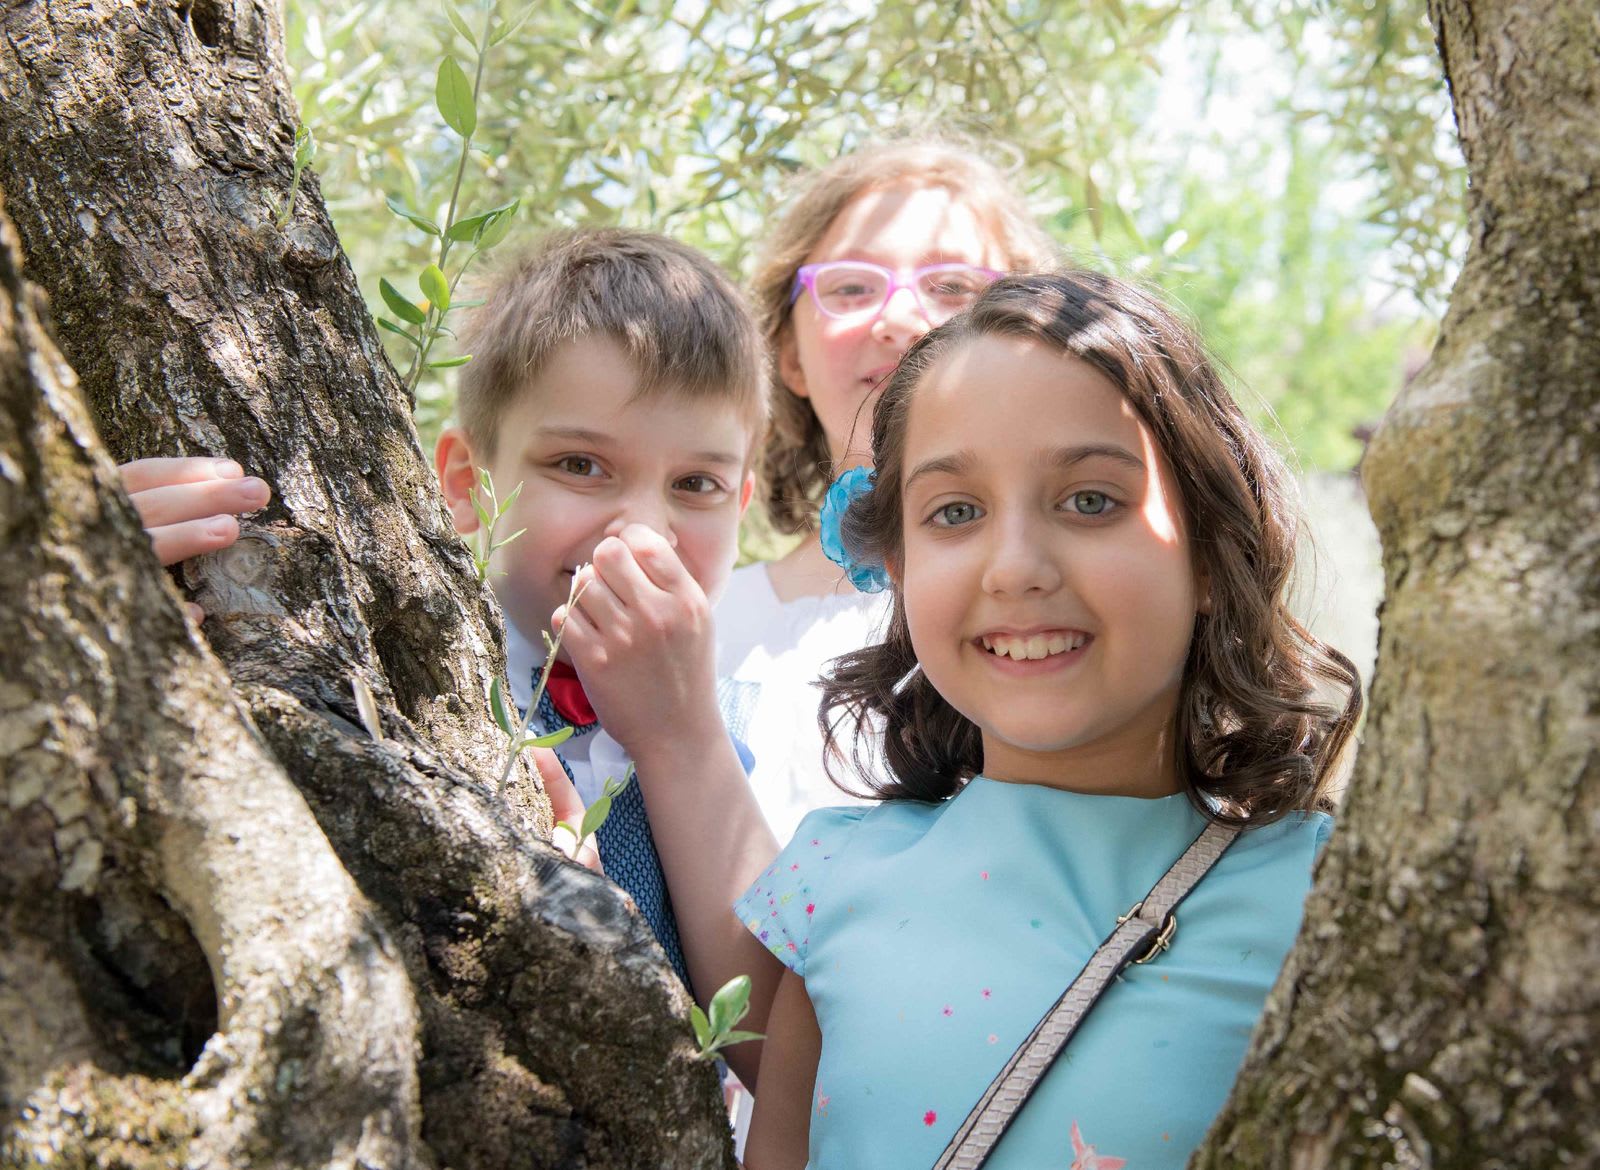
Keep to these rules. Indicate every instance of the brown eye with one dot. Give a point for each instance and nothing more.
(580, 465)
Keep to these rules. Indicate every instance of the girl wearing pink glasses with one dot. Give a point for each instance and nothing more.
(872, 252)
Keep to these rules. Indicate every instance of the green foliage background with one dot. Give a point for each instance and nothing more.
(1285, 172)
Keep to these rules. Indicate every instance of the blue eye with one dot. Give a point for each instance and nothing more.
(956, 514)
(1089, 503)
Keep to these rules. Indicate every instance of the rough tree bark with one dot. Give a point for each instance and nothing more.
(1440, 1008)
(193, 970)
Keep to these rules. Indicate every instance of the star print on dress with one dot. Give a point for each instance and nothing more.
(1084, 1156)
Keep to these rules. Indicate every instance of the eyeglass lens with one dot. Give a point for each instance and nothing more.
(845, 290)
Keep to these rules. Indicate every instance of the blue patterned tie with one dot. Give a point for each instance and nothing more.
(627, 848)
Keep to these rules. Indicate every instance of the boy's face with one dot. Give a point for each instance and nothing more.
(591, 460)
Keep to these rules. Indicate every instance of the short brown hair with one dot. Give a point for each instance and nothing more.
(794, 465)
(683, 325)
(1254, 739)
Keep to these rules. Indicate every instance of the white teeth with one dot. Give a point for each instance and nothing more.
(1035, 646)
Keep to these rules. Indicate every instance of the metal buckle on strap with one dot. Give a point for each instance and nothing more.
(1162, 940)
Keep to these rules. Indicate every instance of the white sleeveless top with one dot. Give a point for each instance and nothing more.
(781, 648)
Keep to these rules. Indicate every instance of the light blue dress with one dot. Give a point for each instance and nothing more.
(933, 937)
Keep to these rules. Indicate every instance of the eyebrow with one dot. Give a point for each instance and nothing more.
(941, 256)
(599, 439)
(1061, 457)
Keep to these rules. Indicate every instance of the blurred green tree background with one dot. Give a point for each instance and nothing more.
(1286, 172)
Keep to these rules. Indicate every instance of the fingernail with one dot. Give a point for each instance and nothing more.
(227, 469)
(255, 491)
(223, 527)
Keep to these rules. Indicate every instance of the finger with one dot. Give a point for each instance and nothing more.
(565, 802)
(567, 806)
(144, 474)
(179, 542)
(176, 503)
(616, 564)
(588, 856)
(656, 558)
(578, 637)
(598, 602)
(195, 613)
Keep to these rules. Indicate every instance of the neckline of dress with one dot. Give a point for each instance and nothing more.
(839, 601)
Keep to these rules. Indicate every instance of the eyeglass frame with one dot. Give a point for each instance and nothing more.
(805, 280)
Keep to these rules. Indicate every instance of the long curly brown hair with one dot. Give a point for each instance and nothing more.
(1256, 734)
(795, 465)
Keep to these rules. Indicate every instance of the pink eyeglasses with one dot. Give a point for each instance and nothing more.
(852, 289)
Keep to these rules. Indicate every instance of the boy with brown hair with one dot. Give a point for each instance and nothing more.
(617, 376)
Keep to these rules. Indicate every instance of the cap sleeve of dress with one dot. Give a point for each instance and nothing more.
(1324, 826)
(778, 907)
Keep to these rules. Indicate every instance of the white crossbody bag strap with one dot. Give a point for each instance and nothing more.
(1140, 935)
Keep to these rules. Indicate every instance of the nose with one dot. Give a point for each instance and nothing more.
(901, 319)
(1020, 561)
(647, 508)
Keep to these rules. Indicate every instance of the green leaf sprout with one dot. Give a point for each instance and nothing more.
(717, 1031)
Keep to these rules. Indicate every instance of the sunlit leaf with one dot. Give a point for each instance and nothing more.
(435, 287)
(453, 95)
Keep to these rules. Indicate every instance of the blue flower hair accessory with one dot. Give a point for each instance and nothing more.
(853, 484)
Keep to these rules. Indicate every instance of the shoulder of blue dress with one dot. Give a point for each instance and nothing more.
(893, 823)
(1296, 831)
(836, 820)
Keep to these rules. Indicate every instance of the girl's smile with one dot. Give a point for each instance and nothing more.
(1039, 653)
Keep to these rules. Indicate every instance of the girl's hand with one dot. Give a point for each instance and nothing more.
(640, 637)
(188, 506)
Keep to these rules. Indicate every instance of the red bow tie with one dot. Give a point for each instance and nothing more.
(566, 695)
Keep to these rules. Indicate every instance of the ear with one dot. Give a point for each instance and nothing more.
(457, 468)
(789, 369)
(746, 491)
(891, 568)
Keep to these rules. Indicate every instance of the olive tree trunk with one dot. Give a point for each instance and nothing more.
(1441, 1008)
(236, 928)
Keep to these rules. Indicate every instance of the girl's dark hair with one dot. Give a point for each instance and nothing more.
(1253, 739)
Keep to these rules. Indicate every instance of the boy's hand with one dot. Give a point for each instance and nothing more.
(188, 506)
(640, 637)
(566, 805)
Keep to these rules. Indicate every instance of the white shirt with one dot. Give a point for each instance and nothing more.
(593, 758)
(782, 647)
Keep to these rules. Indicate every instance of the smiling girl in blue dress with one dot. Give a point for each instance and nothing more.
(1088, 658)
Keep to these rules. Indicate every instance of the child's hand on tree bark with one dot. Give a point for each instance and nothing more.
(567, 806)
(190, 506)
